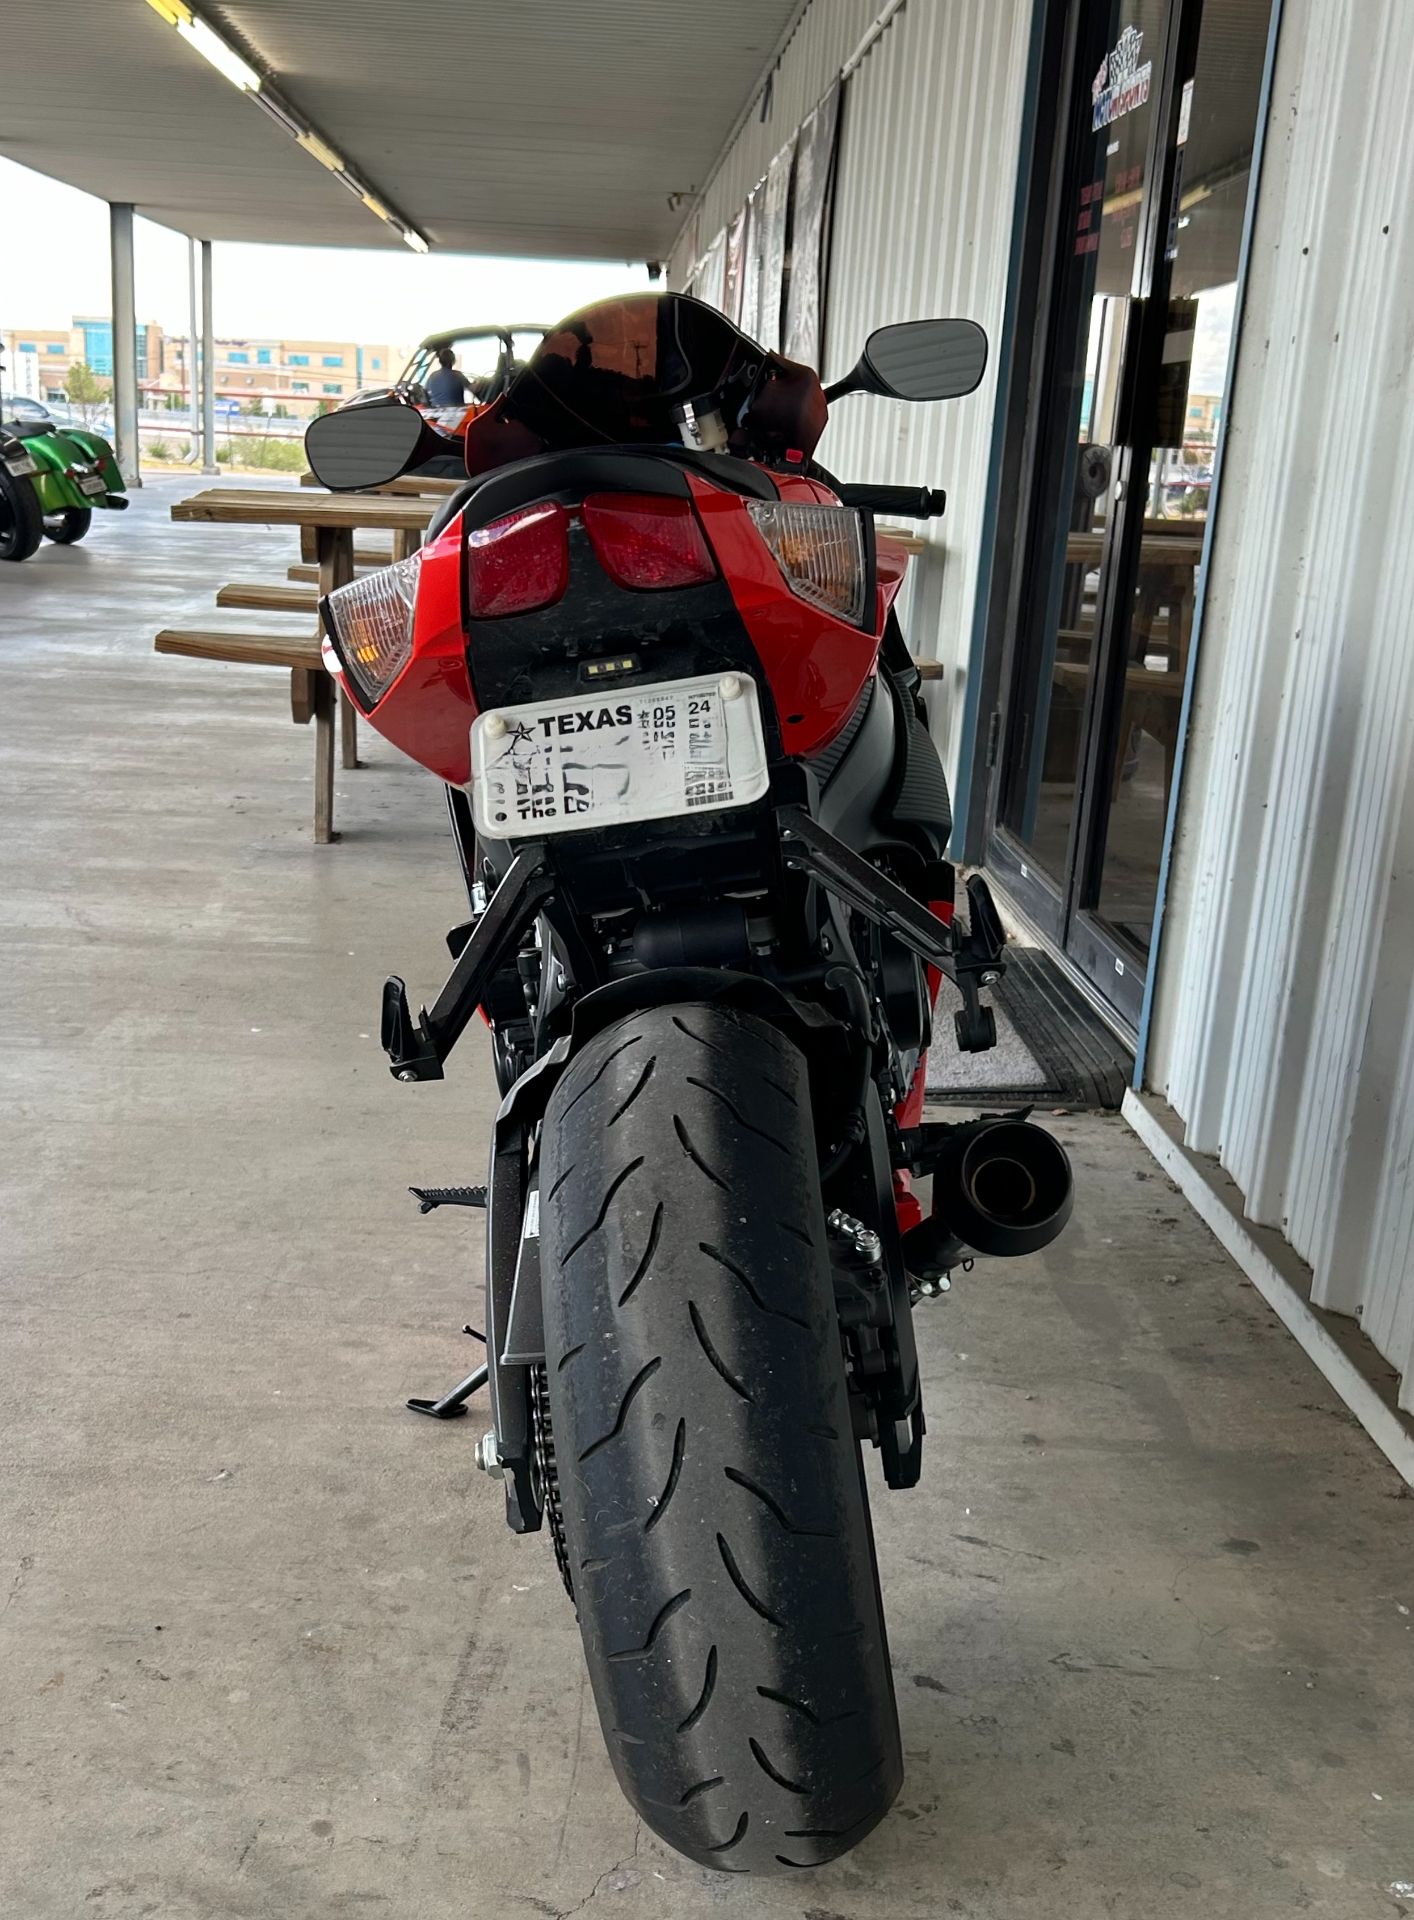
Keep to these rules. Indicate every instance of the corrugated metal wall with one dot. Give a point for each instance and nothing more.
(923, 215)
(1284, 1018)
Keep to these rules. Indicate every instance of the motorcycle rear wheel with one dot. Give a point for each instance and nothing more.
(68, 525)
(714, 1509)
(21, 521)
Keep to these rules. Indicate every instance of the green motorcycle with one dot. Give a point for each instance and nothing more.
(51, 479)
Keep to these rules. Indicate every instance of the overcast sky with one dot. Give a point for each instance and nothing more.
(54, 242)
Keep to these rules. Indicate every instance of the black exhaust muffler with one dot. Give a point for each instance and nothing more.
(1001, 1187)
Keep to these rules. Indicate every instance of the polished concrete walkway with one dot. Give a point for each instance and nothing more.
(266, 1646)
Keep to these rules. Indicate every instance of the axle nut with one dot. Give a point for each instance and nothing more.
(488, 1455)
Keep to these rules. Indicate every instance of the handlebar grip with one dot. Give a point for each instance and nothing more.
(914, 503)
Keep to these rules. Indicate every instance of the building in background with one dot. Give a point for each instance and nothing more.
(261, 374)
(252, 376)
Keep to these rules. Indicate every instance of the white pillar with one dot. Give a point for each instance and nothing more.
(208, 366)
(195, 453)
(125, 435)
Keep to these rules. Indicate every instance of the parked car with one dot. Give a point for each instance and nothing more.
(20, 406)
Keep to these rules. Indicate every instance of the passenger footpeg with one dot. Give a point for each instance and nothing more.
(430, 1197)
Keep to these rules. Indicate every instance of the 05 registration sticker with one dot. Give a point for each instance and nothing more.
(672, 748)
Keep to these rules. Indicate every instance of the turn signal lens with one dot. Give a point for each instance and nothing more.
(370, 625)
(820, 550)
(647, 541)
(519, 562)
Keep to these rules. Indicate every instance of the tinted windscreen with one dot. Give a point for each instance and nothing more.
(616, 371)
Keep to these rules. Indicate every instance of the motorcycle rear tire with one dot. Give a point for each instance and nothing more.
(68, 525)
(715, 1512)
(21, 521)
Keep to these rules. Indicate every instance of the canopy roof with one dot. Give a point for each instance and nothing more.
(538, 127)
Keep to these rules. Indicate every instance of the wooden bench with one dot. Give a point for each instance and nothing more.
(311, 691)
(260, 596)
(362, 556)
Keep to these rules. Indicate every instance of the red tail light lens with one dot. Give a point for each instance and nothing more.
(519, 562)
(644, 540)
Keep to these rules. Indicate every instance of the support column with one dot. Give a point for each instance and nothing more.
(120, 235)
(208, 366)
(195, 454)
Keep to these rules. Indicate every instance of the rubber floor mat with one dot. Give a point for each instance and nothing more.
(1052, 1048)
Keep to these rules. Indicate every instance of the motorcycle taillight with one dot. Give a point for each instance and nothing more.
(647, 541)
(369, 622)
(820, 550)
(519, 562)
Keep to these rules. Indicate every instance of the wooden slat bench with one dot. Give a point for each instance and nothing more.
(268, 597)
(311, 691)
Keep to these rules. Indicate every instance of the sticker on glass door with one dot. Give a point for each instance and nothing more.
(1122, 84)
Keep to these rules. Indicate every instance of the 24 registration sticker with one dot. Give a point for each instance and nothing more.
(672, 748)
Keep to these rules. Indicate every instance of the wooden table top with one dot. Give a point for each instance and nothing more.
(408, 483)
(302, 507)
(1182, 548)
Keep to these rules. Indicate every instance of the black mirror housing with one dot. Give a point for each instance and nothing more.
(919, 360)
(363, 446)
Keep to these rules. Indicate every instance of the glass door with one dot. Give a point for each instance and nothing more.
(1154, 171)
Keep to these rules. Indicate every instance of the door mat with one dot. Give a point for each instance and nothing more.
(1052, 1048)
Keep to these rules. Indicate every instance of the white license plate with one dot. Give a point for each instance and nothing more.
(93, 484)
(674, 748)
(20, 463)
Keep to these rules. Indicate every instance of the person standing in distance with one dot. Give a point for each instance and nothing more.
(448, 386)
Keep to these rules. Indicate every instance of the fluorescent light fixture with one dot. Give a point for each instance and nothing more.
(231, 66)
(278, 111)
(226, 60)
(322, 151)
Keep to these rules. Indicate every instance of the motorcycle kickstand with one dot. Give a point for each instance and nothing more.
(453, 1403)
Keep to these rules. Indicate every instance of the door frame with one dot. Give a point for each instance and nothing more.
(1038, 234)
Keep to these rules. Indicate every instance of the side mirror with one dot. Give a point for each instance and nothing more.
(363, 446)
(918, 360)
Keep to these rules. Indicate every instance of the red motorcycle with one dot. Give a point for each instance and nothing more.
(651, 649)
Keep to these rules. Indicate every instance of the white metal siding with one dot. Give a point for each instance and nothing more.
(922, 226)
(1283, 1030)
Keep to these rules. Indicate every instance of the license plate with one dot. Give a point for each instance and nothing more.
(93, 484)
(672, 749)
(20, 463)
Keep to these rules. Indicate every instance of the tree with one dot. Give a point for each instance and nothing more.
(84, 388)
(280, 411)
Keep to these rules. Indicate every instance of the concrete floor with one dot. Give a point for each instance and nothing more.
(267, 1648)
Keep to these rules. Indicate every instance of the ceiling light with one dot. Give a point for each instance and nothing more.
(322, 151)
(266, 95)
(226, 60)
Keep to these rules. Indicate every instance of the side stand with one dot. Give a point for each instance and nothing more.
(453, 1403)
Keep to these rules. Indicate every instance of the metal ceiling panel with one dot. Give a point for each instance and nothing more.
(552, 127)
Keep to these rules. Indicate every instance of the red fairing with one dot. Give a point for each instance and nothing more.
(429, 708)
(815, 666)
(891, 566)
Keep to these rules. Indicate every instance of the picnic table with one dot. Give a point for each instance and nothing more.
(331, 520)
